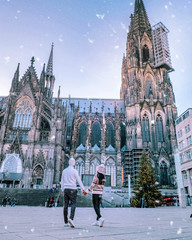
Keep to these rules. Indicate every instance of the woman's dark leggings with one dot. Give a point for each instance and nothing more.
(96, 198)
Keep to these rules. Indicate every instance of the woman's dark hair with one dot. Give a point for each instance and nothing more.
(100, 177)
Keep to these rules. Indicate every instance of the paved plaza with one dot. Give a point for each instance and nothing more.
(40, 223)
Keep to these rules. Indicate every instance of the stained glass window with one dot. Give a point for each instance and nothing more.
(96, 134)
(23, 115)
(159, 128)
(82, 133)
(123, 135)
(145, 53)
(110, 140)
(145, 128)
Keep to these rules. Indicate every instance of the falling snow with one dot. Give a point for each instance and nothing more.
(100, 16)
(179, 231)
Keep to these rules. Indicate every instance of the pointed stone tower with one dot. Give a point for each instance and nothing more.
(147, 92)
(50, 78)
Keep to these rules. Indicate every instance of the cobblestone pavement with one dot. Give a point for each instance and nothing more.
(40, 223)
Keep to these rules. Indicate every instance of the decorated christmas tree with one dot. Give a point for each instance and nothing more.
(146, 191)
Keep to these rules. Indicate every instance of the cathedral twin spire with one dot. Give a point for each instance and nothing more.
(139, 21)
(49, 70)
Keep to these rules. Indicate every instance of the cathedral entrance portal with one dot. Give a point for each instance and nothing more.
(37, 176)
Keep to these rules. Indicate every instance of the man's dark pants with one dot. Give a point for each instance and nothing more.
(69, 195)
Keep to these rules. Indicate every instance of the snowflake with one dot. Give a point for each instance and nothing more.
(60, 38)
(7, 59)
(171, 223)
(90, 40)
(100, 16)
(5, 227)
(116, 47)
(179, 231)
(32, 229)
(166, 7)
(124, 27)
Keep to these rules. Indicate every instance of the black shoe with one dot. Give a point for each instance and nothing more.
(191, 216)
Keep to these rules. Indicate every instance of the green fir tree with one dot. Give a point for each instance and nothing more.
(146, 185)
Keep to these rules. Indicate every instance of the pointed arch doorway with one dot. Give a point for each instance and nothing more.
(37, 176)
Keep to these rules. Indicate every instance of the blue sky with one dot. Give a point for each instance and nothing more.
(89, 41)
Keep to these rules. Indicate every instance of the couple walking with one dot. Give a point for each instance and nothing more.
(69, 190)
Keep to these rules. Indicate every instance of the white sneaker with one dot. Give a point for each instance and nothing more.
(101, 222)
(71, 223)
(96, 223)
(66, 224)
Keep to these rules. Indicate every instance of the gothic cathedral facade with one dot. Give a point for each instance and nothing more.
(39, 133)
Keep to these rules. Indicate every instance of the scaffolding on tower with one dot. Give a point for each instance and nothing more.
(161, 47)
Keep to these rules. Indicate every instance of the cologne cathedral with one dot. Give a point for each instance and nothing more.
(39, 133)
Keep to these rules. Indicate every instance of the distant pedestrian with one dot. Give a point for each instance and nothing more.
(97, 191)
(143, 202)
(4, 202)
(69, 190)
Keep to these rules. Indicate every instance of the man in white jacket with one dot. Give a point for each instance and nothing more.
(69, 179)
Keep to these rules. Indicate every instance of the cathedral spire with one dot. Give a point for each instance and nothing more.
(140, 21)
(42, 78)
(15, 80)
(50, 78)
(49, 70)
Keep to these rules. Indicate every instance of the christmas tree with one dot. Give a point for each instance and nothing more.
(146, 191)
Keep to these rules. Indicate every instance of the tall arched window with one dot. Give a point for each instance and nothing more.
(145, 128)
(145, 53)
(159, 128)
(163, 173)
(149, 88)
(110, 140)
(23, 115)
(80, 166)
(82, 133)
(93, 165)
(110, 169)
(123, 134)
(45, 130)
(96, 134)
